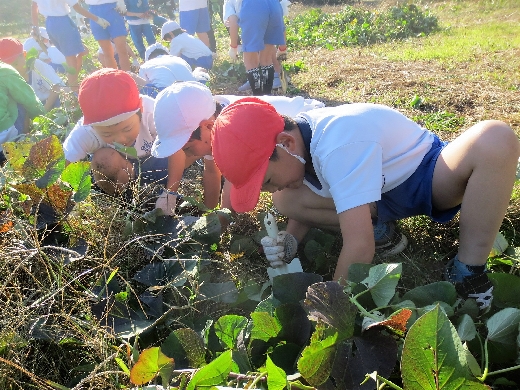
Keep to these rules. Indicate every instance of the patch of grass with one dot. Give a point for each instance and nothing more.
(440, 121)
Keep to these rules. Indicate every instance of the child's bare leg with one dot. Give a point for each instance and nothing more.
(124, 59)
(204, 37)
(112, 172)
(109, 61)
(477, 170)
(72, 73)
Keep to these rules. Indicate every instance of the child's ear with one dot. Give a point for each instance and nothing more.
(285, 139)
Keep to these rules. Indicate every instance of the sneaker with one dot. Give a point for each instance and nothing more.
(477, 287)
(244, 87)
(389, 240)
(277, 83)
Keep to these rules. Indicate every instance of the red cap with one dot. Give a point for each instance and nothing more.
(10, 48)
(108, 96)
(244, 138)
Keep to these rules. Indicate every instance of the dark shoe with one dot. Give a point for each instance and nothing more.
(477, 287)
(389, 240)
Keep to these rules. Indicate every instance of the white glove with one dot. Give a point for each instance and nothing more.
(121, 6)
(280, 249)
(167, 201)
(239, 49)
(233, 53)
(102, 22)
(135, 63)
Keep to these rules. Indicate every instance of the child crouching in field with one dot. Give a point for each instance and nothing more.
(115, 113)
(368, 162)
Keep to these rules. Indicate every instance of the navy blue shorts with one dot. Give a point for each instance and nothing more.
(414, 196)
(64, 34)
(151, 170)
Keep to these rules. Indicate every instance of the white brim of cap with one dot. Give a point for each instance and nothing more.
(115, 119)
(165, 148)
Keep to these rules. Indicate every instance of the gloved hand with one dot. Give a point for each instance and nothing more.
(280, 249)
(233, 53)
(121, 6)
(281, 53)
(102, 22)
(167, 201)
(135, 63)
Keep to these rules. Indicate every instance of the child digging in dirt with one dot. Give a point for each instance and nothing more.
(346, 167)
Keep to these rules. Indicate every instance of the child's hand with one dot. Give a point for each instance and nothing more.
(167, 201)
(121, 6)
(281, 53)
(233, 53)
(280, 249)
(102, 22)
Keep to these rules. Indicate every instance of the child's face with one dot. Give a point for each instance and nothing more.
(200, 147)
(285, 172)
(124, 132)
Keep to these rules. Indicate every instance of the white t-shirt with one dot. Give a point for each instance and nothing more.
(362, 150)
(43, 77)
(164, 70)
(83, 139)
(31, 43)
(231, 7)
(56, 55)
(188, 46)
(190, 5)
(99, 2)
(54, 7)
(290, 106)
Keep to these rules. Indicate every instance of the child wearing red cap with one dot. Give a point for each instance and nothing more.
(63, 32)
(342, 167)
(18, 101)
(40, 76)
(115, 113)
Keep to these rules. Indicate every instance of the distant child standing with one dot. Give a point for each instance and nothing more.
(138, 19)
(186, 46)
(63, 32)
(194, 18)
(115, 31)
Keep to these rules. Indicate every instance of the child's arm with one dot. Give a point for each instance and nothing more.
(176, 163)
(53, 96)
(34, 18)
(82, 11)
(358, 240)
(211, 178)
(22, 93)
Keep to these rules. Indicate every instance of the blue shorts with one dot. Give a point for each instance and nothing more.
(195, 21)
(108, 12)
(205, 62)
(59, 68)
(414, 196)
(151, 170)
(64, 34)
(262, 23)
(150, 90)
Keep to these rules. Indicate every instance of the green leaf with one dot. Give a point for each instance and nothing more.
(430, 293)
(264, 327)
(466, 329)
(433, 356)
(16, 153)
(317, 359)
(214, 373)
(506, 290)
(46, 162)
(128, 150)
(219, 292)
(276, 377)
(151, 362)
(381, 281)
(122, 365)
(472, 362)
(228, 327)
(186, 347)
(327, 302)
(291, 288)
(503, 326)
(77, 174)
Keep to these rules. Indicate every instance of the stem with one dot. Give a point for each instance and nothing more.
(486, 362)
(258, 379)
(503, 370)
(361, 308)
(384, 380)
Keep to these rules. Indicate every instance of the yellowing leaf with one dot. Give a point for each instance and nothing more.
(151, 362)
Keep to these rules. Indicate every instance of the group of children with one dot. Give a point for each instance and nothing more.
(355, 168)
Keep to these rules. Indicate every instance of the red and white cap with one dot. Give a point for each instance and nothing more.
(108, 96)
(10, 49)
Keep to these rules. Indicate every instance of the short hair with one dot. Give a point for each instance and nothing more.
(157, 53)
(289, 124)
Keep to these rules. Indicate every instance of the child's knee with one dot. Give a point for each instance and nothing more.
(497, 138)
